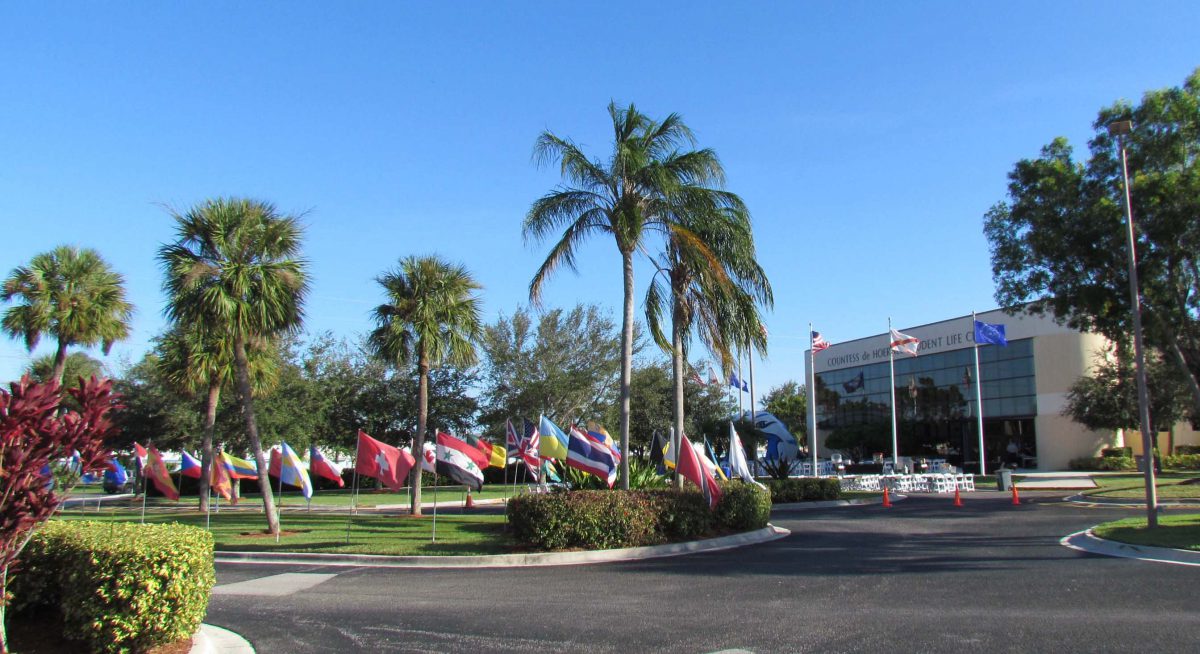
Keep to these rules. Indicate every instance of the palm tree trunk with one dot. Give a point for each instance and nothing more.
(206, 447)
(60, 361)
(419, 440)
(242, 364)
(626, 362)
(677, 319)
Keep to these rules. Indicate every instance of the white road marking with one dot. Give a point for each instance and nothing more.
(274, 585)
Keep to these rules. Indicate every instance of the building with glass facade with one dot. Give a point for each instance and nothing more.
(1023, 384)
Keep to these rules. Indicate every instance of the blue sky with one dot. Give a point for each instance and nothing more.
(868, 139)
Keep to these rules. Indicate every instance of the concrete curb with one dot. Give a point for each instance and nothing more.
(1091, 501)
(101, 499)
(829, 504)
(1086, 541)
(210, 639)
(766, 534)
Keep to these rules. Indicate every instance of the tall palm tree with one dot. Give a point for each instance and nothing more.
(431, 315)
(195, 361)
(625, 197)
(235, 274)
(709, 280)
(71, 294)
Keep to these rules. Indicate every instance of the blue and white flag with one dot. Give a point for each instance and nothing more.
(116, 473)
(734, 381)
(987, 333)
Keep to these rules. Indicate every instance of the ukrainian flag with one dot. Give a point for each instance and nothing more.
(554, 442)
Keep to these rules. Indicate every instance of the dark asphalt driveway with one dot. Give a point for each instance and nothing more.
(921, 577)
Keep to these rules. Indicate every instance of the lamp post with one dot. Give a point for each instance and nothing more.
(1120, 129)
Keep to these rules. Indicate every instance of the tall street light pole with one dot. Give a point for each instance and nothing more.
(1120, 129)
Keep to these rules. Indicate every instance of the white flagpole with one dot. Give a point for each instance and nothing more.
(741, 402)
(437, 456)
(353, 491)
(279, 506)
(812, 404)
(978, 399)
(892, 388)
(750, 360)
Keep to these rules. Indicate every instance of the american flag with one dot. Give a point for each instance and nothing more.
(818, 342)
(530, 444)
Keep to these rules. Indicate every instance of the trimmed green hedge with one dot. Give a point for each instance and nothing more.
(804, 489)
(611, 519)
(1117, 452)
(1182, 462)
(120, 587)
(1102, 463)
(1187, 449)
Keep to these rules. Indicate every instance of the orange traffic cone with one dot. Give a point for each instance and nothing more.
(470, 501)
(887, 500)
(957, 497)
(1016, 496)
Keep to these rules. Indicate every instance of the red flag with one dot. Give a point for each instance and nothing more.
(273, 465)
(140, 453)
(320, 466)
(156, 471)
(383, 462)
(690, 467)
(219, 480)
(472, 451)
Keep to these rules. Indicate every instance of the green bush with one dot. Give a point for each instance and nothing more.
(1187, 449)
(1102, 463)
(1182, 462)
(743, 507)
(613, 518)
(804, 489)
(120, 587)
(1118, 452)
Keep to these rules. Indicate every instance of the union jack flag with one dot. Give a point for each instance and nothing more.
(528, 450)
(818, 342)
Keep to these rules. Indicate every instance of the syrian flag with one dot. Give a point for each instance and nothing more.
(904, 343)
(591, 457)
(455, 464)
(470, 450)
(189, 466)
(388, 464)
(691, 469)
(321, 467)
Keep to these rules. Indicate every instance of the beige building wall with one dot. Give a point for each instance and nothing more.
(1184, 435)
(1059, 361)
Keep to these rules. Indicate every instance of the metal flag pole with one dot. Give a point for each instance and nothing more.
(892, 388)
(741, 402)
(812, 403)
(279, 505)
(353, 490)
(750, 361)
(437, 456)
(978, 396)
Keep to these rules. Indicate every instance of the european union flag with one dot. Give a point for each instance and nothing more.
(734, 381)
(987, 333)
(853, 384)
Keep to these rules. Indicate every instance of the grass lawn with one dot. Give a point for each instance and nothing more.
(327, 533)
(1133, 486)
(1178, 531)
(341, 498)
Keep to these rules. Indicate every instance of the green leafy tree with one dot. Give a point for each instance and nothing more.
(707, 407)
(197, 362)
(1059, 241)
(625, 197)
(431, 317)
(235, 272)
(563, 363)
(1107, 399)
(789, 402)
(70, 294)
(78, 365)
(707, 276)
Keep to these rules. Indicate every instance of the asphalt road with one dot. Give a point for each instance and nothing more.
(923, 576)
